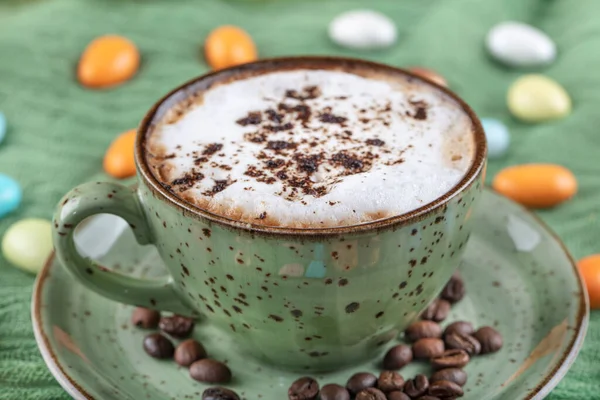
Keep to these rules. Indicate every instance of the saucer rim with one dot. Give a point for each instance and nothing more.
(541, 390)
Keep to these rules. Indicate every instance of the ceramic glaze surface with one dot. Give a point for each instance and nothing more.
(533, 297)
(307, 304)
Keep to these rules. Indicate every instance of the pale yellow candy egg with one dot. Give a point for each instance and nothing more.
(28, 243)
(537, 98)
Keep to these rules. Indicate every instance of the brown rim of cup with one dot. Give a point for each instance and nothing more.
(288, 63)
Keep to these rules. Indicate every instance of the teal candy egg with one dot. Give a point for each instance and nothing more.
(498, 137)
(2, 127)
(10, 195)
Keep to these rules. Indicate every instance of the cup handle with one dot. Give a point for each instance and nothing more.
(111, 198)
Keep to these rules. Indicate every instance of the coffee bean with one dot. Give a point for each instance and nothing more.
(397, 357)
(454, 290)
(455, 375)
(463, 342)
(450, 359)
(397, 396)
(145, 318)
(428, 397)
(189, 351)
(176, 326)
(490, 339)
(460, 327)
(210, 371)
(390, 381)
(158, 346)
(370, 394)
(423, 329)
(360, 381)
(445, 389)
(416, 387)
(427, 348)
(305, 388)
(219, 393)
(437, 311)
(334, 392)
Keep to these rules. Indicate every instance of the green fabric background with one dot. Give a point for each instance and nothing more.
(59, 131)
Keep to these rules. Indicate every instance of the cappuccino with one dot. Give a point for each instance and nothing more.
(312, 148)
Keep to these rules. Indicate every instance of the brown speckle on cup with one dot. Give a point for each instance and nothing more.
(352, 307)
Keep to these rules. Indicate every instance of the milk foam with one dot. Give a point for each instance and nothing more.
(313, 148)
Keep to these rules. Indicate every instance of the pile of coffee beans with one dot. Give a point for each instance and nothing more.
(447, 350)
(188, 353)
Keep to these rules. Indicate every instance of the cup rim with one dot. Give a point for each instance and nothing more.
(279, 63)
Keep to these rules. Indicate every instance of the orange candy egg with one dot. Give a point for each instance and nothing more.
(429, 75)
(227, 46)
(107, 61)
(589, 267)
(536, 185)
(119, 160)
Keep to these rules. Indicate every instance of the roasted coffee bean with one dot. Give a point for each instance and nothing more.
(334, 392)
(454, 290)
(305, 388)
(145, 318)
(158, 346)
(460, 327)
(219, 393)
(416, 387)
(427, 348)
(463, 342)
(390, 381)
(455, 375)
(437, 311)
(428, 397)
(360, 381)
(445, 389)
(490, 339)
(398, 396)
(210, 371)
(450, 359)
(370, 394)
(176, 326)
(397, 357)
(189, 351)
(423, 329)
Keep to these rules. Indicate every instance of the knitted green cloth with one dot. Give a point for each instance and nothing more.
(58, 131)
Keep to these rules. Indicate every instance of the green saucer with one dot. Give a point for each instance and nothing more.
(519, 278)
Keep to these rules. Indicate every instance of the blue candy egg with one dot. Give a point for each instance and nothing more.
(498, 137)
(10, 195)
(2, 127)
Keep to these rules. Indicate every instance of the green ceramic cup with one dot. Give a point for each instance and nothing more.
(301, 299)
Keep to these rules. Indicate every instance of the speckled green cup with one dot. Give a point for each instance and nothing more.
(301, 299)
